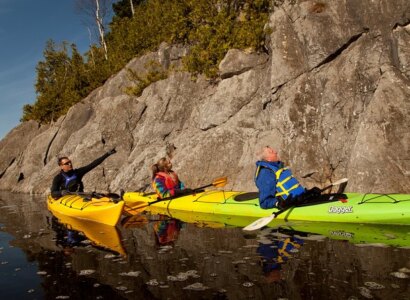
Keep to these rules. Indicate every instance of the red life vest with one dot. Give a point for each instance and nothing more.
(171, 179)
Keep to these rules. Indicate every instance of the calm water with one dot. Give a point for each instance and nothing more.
(156, 257)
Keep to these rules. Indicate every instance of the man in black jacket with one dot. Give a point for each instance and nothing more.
(70, 179)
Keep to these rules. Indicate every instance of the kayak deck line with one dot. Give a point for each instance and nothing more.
(376, 196)
(85, 205)
(101, 210)
(238, 202)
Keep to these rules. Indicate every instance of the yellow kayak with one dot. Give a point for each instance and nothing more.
(102, 210)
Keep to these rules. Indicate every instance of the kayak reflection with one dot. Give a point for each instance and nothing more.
(73, 232)
(166, 229)
(392, 235)
(66, 238)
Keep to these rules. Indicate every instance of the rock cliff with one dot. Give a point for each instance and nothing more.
(331, 93)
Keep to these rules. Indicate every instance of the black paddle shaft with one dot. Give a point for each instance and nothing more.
(178, 196)
(173, 197)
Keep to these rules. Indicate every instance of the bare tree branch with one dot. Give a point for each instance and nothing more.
(96, 15)
(132, 8)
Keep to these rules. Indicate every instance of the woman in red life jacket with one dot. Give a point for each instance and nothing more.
(165, 181)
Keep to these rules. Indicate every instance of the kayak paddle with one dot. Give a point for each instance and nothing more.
(259, 223)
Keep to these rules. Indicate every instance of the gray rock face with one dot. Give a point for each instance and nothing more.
(237, 62)
(332, 95)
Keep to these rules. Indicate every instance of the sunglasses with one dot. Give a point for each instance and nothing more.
(66, 163)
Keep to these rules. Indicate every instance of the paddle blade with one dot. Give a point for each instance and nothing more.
(340, 181)
(220, 182)
(259, 223)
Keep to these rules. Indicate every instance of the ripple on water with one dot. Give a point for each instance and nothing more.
(247, 284)
(152, 282)
(183, 275)
(131, 273)
(179, 277)
(399, 275)
(365, 292)
(41, 273)
(86, 272)
(193, 273)
(374, 285)
(197, 286)
(237, 262)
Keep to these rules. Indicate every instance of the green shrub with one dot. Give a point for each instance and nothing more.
(154, 73)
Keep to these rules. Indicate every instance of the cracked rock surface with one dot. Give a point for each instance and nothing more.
(332, 93)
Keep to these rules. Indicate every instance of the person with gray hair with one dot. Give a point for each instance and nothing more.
(277, 186)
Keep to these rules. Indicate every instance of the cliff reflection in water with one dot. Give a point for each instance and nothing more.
(156, 257)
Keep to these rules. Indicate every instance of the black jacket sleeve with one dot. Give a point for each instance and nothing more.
(84, 170)
(55, 187)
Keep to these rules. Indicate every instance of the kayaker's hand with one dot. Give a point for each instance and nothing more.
(178, 193)
(183, 192)
(187, 191)
(315, 191)
(112, 151)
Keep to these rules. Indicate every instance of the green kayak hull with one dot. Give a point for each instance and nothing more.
(357, 208)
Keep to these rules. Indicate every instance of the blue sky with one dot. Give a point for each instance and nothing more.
(25, 27)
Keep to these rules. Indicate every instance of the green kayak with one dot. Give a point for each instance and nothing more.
(355, 208)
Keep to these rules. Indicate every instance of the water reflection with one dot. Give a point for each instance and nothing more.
(72, 233)
(275, 251)
(204, 259)
(66, 238)
(167, 231)
(392, 235)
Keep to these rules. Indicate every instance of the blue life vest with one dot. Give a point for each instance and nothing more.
(70, 178)
(286, 184)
